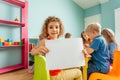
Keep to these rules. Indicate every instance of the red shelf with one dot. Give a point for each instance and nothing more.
(10, 68)
(24, 34)
(11, 23)
(16, 2)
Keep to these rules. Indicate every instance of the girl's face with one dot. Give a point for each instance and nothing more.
(53, 30)
(85, 36)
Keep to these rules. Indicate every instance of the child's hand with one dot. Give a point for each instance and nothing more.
(86, 45)
(43, 49)
(39, 50)
(85, 52)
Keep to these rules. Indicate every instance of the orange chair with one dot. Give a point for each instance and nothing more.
(114, 73)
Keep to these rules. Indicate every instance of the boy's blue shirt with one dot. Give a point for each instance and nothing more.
(100, 56)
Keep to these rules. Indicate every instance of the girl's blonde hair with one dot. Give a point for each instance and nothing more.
(109, 35)
(94, 26)
(50, 19)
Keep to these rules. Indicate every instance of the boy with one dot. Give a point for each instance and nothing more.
(98, 49)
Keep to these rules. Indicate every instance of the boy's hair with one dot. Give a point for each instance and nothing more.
(94, 27)
(68, 35)
(44, 33)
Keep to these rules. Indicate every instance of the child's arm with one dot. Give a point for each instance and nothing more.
(89, 50)
(40, 48)
(86, 45)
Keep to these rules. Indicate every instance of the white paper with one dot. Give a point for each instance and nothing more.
(64, 53)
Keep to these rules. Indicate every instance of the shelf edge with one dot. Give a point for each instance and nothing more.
(11, 23)
(11, 68)
(16, 2)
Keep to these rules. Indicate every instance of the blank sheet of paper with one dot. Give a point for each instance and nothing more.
(64, 53)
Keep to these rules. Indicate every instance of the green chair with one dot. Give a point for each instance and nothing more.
(40, 71)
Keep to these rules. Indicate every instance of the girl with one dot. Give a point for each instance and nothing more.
(86, 40)
(108, 34)
(53, 29)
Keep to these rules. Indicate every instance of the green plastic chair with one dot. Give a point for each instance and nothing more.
(40, 71)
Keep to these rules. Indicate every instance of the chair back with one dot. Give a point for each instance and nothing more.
(40, 71)
(116, 63)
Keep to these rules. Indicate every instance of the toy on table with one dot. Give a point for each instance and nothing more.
(9, 41)
(16, 20)
(1, 41)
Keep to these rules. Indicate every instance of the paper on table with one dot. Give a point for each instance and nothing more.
(64, 53)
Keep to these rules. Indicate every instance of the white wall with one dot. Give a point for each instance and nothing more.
(117, 24)
(92, 19)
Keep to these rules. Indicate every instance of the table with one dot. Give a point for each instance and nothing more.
(87, 58)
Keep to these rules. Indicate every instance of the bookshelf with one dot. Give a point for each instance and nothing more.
(23, 24)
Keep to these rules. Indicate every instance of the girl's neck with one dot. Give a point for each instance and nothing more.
(52, 38)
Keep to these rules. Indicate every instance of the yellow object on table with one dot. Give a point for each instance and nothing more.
(85, 67)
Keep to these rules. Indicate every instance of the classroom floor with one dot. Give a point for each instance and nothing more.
(17, 75)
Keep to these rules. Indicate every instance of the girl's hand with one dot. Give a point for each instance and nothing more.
(86, 45)
(85, 52)
(39, 50)
(43, 50)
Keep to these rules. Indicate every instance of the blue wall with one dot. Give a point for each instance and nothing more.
(70, 13)
(9, 55)
(9, 12)
(93, 11)
(107, 13)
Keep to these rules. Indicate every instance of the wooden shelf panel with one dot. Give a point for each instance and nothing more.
(10, 68)
(10, 46)
(11, 23)
(16, 2)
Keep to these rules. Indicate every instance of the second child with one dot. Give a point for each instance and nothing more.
(98, 49)
(108, 34)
